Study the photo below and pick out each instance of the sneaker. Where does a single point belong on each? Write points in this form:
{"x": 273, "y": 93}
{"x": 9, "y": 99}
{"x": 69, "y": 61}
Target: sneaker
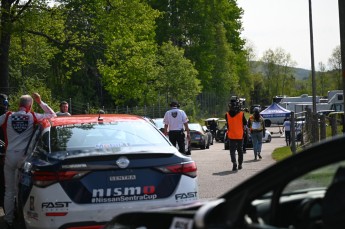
{"x": 239, "y": 166}
{"x": 259, "y": 156}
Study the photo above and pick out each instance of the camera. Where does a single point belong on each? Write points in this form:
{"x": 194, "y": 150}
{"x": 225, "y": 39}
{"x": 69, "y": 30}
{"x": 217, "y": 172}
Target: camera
{"x": 236, "y": 103}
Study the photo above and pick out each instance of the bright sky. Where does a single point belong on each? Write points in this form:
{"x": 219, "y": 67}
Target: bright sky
{"x": 271, "y": 24}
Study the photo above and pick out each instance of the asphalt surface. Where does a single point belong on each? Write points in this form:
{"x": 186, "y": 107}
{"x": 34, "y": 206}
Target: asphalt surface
{"x": 215, "y": 175}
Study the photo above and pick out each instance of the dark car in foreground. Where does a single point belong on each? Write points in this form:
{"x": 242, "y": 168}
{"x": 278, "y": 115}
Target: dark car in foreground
{"x": 81, "y": 170}
{"x": 305, "y": 190}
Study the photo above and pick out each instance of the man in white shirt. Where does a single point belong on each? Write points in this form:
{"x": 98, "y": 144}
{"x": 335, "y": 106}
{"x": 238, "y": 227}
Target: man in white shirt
{"x": 176, "y": 121}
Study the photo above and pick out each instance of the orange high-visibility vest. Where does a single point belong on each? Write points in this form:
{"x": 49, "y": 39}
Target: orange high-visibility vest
{"x": 235, "y": 126}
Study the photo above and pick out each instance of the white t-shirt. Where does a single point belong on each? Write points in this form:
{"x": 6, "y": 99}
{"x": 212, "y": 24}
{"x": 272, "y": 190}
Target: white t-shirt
{"x": 287, "y": 125}
{"x": 175, "y": 119}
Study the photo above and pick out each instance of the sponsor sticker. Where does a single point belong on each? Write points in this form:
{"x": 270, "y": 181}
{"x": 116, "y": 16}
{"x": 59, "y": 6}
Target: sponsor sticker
{"x": 185, "y": 196}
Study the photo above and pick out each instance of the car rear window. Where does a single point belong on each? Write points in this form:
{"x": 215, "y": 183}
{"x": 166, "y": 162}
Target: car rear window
{"x": 106, "y": 135}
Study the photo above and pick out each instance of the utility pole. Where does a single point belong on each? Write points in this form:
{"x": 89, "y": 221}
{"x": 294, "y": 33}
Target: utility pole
{"x": 312, "y": 57}
{"x": 341, "y": 5}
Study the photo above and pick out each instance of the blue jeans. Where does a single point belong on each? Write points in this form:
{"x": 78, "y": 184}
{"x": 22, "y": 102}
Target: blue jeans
{"x": 257, "y": 142}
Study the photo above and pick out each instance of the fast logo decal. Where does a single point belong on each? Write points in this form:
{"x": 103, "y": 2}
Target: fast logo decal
{"x": 59, "y": 204}
{"x": 20, "y": 123}
{"x": 109, "y": 195}
{"x": 187, "y": 195}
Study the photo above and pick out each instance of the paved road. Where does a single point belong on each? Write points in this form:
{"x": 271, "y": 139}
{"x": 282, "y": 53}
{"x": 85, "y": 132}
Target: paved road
{"x": 215, "y": 175}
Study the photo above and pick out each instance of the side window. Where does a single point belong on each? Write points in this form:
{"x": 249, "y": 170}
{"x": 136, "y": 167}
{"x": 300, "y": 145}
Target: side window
{"x": 33, "y": 142}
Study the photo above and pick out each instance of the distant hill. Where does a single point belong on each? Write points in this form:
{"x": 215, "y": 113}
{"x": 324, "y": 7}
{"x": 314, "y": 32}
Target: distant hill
{"x": 300, "y": 73}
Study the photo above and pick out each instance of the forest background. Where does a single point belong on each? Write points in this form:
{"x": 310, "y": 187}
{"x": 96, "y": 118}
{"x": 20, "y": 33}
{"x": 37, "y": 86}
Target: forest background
{"x": 136, "y": 56}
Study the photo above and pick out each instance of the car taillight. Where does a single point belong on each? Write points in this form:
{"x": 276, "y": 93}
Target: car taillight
{"x": 188, "y": 169}
{"x": 44, "y": 178}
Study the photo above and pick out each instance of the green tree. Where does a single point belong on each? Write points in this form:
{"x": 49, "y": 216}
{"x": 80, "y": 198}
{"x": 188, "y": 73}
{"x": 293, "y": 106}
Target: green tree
{"x": 128, "y": 69}
{"x": 177, "y": 78}
{"x": 334, "y": 63}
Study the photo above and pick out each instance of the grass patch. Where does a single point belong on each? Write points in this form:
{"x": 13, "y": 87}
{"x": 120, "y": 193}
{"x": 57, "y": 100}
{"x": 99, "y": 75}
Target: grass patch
{"x": 281, "y": 153}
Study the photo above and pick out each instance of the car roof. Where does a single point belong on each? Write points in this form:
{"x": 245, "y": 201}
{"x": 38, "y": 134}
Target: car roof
{"x": 93, "y": 118}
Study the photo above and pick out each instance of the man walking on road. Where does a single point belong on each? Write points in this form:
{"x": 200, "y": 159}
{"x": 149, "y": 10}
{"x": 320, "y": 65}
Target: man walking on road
{"x": 176, "y": 121}
{"x": 236, "y": 122}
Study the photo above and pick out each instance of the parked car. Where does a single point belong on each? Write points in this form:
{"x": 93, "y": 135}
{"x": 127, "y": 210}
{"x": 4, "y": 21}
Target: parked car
{"x": 199, "y": 138}
{"x": 267, "y": 138}
{"x": 84, "y": 169}
{"x": 210, "y": 137}
{"x": 160, "y": 125}
{"x": 299, "y": 128}
{"x": 221, "y": 133}
{"x": 213, "y": 125}
{"x": 305, "y": 190}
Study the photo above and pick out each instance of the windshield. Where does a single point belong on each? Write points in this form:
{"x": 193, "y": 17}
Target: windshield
{"x": 109, "y": 135}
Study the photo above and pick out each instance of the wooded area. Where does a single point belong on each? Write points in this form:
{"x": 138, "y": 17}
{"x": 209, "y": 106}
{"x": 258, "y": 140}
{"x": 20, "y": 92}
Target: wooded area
{"x": 110, "y": 53}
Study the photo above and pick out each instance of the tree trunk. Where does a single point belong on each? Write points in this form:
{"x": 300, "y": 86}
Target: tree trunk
{"x": 6, "y": 27}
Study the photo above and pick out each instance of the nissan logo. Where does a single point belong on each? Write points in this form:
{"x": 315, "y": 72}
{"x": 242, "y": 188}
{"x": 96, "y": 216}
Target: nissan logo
{"x": 122, "y": 162}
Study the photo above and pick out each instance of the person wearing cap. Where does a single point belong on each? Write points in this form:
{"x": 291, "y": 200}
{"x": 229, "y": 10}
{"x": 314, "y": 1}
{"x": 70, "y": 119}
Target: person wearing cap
{"x": 3, "y": 109}
{"x": 256, "y": 125}
{"x": 236, "y": 123}
{"x": 175, "y": 123}
{"x": 63, "y": 109}
{"x": 18, "y": 128}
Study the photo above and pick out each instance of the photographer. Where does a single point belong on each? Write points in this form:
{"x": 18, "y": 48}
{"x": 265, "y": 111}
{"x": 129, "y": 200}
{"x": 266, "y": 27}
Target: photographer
{"x": 236, "y": 122}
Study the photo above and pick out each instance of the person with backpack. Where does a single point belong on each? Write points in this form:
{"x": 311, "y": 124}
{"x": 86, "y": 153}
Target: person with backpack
{"x": 18, "y": 128}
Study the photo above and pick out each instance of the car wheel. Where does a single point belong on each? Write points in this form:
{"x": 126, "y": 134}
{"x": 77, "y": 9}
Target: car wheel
{"x": 269, "y": 138}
